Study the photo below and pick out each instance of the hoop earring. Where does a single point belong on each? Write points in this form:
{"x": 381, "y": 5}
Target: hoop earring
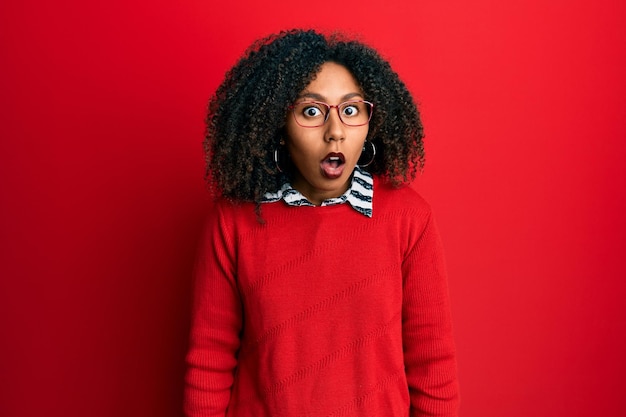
{"x": 276, "y": 160}
{"x": 364, "y": 151}
{"x": 277, "y": 155}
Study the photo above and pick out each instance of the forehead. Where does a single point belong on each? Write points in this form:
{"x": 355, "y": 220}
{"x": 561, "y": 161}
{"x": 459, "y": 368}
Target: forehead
{"x": 333, "y": 81}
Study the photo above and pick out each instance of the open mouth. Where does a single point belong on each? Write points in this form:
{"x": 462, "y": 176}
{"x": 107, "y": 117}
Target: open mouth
{"x": 332, "y": 166}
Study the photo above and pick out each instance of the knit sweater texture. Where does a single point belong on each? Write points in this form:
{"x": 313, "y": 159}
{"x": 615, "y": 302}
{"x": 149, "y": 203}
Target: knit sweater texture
{"x": 322, "y": 311}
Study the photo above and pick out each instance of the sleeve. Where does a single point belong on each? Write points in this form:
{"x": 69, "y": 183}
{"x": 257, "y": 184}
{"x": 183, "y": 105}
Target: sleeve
{"x": 215, "y": 325}
{"x": 429, "y": 351}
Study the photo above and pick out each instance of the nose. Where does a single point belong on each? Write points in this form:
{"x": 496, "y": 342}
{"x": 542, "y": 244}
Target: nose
{"x": 335, "y": 129}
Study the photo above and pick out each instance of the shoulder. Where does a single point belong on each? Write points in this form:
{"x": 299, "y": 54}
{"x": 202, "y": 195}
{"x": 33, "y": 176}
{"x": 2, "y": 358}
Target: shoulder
{"x": 403, "y": 199}
{"x": 238, "y": 217}
{"x": 224, "y": 206}
{"x": 405, "y": 213}
{"x": 227, "y": 215}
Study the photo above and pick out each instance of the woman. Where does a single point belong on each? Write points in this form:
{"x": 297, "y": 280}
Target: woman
{"x": 320, "y": 286}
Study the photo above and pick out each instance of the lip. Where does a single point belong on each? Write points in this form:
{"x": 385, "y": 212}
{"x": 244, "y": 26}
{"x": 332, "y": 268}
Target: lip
{"x": 332, "y": 165}
{"x": 335, "y": 155}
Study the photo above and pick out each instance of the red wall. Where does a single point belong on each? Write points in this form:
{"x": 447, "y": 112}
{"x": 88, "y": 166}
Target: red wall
{"x": 102, "y": 196}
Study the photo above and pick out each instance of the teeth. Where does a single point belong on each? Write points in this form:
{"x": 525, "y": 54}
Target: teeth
{"x": 334, "y": 158}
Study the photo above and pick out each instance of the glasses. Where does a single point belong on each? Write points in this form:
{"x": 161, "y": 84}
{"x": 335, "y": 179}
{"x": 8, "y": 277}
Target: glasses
{"x": 316, "y": 113}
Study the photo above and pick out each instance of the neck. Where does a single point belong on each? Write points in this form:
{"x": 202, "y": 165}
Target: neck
{"x": 315, "y": 195}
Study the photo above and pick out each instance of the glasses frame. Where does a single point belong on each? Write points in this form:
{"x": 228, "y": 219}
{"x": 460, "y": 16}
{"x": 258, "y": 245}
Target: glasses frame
{"x": 329, "y": 107}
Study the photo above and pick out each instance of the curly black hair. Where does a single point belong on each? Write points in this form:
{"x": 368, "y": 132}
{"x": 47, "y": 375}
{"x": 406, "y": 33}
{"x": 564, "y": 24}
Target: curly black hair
{"x": 246, "y": 115}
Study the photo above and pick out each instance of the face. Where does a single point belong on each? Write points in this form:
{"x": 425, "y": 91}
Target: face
{"x": 325, "y": 156}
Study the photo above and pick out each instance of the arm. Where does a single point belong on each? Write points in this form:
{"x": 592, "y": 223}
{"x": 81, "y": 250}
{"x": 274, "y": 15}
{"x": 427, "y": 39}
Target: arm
{"x": 429, "y": 353}
{"x": 216, "y": 324}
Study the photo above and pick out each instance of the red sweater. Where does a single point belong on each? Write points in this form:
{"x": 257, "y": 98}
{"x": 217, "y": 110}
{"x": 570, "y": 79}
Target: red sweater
{"x": 322, "y": 311}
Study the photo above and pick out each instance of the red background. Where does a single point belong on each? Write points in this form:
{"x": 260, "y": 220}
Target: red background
{"x": 101, "y": 121}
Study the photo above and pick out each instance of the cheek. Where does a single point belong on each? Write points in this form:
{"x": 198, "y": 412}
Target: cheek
{"x": 301, "y": 140}
{"x": 302, "y": 150}
{"x": 359, "y": 142}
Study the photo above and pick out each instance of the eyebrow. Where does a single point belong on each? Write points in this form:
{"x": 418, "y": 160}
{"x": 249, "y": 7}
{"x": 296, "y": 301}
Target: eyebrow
{"x": 319, "y": 97}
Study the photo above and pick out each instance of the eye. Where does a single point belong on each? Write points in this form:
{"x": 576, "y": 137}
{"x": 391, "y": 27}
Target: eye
{"x": 311, "y": 111}
{"x": 350, "y": 110}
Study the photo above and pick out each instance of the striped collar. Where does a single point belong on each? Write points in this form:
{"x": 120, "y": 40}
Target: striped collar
{"x": 359, "y": 195}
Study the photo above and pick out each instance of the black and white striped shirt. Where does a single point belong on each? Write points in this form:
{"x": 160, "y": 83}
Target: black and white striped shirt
{"x": 359, "y": 194}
